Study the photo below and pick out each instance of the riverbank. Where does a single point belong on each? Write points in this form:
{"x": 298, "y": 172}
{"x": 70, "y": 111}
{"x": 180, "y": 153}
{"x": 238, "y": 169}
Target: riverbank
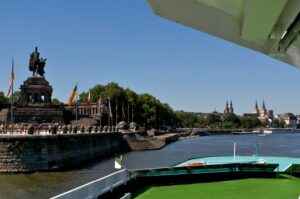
{"x": 205, "y": 132}
{"x": 30, "y": 153}
{"x": 134, "y": 142}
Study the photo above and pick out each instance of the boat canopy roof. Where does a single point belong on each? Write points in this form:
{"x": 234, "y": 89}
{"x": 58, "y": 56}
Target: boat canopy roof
{"x": 270, "y": 26}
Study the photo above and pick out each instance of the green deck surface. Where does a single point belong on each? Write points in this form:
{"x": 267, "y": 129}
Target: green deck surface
{"x": 245, "y": 188}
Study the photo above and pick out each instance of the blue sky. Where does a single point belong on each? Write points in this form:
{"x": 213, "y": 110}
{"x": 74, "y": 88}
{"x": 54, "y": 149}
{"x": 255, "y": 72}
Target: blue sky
{"x": 93, "y": 42}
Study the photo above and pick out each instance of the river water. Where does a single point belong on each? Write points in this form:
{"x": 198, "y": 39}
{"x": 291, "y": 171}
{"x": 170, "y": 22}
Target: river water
{"x": 46, "y": 184}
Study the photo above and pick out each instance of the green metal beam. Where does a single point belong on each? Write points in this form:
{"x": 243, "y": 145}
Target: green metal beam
{"x": 259, "y": 18}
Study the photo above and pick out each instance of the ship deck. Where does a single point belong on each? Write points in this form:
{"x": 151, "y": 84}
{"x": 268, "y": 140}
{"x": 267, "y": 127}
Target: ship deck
{"x": 285, "y": 163}
{"x": 284, "y": 187}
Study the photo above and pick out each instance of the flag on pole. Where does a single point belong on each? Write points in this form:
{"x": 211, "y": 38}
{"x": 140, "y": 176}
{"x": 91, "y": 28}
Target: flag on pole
{"x": 118, "y": 161}
{"x": 11, "y": 81}
{"x": 88, "y": 101}
{"x": 72, "y": 97}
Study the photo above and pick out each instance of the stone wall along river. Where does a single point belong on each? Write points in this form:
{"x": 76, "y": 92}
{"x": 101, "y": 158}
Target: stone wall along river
{"x": 47, "y": 152}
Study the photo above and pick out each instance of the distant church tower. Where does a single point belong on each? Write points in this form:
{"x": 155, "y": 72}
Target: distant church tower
{"x": 231, "y": 107}
{"x": 256, "y": 110}
{"x": 226, "y": 110}
{"x": 263, "y": 110}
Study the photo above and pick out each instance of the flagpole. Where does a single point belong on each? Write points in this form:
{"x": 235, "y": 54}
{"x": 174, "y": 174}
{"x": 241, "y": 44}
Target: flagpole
{"x": 89, "y": 105}
{"x": 108, "y": 118}
{"x": 128, "y": 113}
{"x": 11, "y": 99}
{"x": 110, "y": 113}
{"x": 132, "y": 111}
{"x": 76, "y": 111}
{"x": 116, "y": 111}
{"x": 100, "y": 110}
{"x": 122, "y": 111}
{"x": 155, "y": 118}
{"x": 76, "y": 106}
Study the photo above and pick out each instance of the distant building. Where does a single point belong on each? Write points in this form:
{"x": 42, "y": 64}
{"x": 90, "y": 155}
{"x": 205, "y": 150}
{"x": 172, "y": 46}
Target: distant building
{"x": 250, "y": 115}
{"x": 262, "y": 114}
{"x": 271, "y": 114}
{"x": 263, "y": 111}
{"x": 227, "y": 109}
{"x": 231, "y": 108}
{"x": 289, "y": 119}
{"x": 95, "y": 113}
{"x": 298, "y": 119}
{"x": 255, "y": 110}
{"x": 254, "y": 114}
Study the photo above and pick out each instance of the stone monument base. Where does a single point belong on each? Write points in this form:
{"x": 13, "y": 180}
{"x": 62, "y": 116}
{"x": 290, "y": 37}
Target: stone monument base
{"x": 34, "y": 114}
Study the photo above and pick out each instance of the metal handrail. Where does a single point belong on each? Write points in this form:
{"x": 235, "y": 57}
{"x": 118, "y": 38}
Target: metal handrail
{"x": 97, "y": 187}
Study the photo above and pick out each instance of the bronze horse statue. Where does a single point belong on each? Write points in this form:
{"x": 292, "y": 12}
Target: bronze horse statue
{"x": 37, "y": 64}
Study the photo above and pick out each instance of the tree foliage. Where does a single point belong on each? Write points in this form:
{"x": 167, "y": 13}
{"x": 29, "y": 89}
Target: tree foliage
{"x": 7, "y": 100}
{"x": 231, "y": 121}
{"x": 187, "y": 119}
{"x": 249, "y": 123}
{"x": 213, "y": 120}
{"x": 3, "y": 98}
{"x": 55, "y": 101}
{"x": 17, "y": 97}
{"x": 144, "y": 109}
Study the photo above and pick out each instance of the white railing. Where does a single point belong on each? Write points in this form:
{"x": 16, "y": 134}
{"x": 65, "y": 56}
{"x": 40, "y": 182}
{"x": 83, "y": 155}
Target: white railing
{"x": 126, "y": 196}
{"x": 97, "y": 187}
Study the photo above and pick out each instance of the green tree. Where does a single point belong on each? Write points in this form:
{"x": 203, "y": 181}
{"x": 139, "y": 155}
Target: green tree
{"x": 231, "y": 121}
{"x": 246, "y": 122}
{"x": 256, "y": 123}
{"x": 202, "y": 121}
{"x": 145, "y": 108}
{"x": 187, "y": 119}
{"x": 275, "y": 123}
{"x": 6, "y": 100}
{"x": 213, "y": 120}
{"x": 131, "y": 102}
{"x": 250, "y": 122}
{"x": 55, "y": 101}
{"x": 281, "y": 124}
{"x": 17, "y": 97}
{"x": 3, "y": 98}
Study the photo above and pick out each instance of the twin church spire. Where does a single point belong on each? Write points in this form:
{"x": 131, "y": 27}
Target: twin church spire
{"x": 262, "y": 111}
{"x": 228, "y": 109}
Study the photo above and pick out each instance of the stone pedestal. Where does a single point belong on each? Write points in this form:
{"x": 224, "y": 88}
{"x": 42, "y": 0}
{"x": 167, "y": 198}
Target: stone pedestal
{"x": 36, "y": 90}
{"x": 35, "y": 104}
